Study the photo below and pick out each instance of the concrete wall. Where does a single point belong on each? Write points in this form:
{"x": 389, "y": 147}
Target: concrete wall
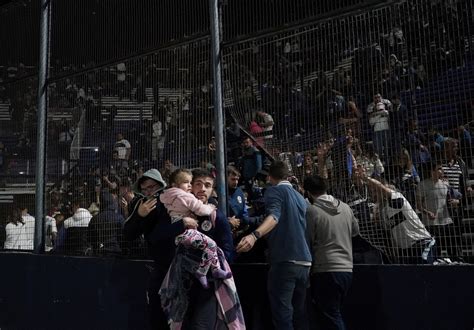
{"x": 54, "y": 292}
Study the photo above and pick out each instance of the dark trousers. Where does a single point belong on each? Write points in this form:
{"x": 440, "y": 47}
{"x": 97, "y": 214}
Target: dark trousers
{"x": 421, "y": 252}
{"x": 202, "y": 309}
{"x": 157, "y": 317}
{"x": 328, "y": 291}
{"x": 447, "y": 239}
{"x": 287, "y": 283}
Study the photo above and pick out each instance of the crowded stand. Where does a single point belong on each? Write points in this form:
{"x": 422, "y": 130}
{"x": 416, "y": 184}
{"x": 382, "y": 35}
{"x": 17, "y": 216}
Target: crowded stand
{"x": 385, "y": 117}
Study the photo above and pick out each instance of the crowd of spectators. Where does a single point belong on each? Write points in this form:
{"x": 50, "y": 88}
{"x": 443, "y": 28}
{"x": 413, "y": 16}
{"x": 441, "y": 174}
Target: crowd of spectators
{"x": 361, "y": 107}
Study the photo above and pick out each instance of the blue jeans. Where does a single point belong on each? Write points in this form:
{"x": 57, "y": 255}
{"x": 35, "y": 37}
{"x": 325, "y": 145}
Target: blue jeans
{"x": 328, "y": 291}
{"x": 287, "y": 284}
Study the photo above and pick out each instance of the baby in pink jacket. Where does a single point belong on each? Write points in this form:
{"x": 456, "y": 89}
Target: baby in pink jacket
{"x": 180, "y": 203}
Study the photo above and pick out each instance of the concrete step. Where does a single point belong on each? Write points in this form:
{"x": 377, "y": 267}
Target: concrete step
{"x": 132, "y": 118}
{"x": 468, "y": 252}
{"x": 126, "y": 111}
{"x": 108, "y": 102}
{"x": 59, "y": 115}
{"x": 5, "y": 112}
{"x": 6, "y": 199}
{"x": 468, "y": 221}
{"x": 468, "y": 237}
{"x": 469, "y": 207}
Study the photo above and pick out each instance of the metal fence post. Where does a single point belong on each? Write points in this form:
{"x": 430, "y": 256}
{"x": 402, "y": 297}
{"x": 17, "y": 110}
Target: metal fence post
{"x": 221, "y": 186}
{"x": 43, "y": 74}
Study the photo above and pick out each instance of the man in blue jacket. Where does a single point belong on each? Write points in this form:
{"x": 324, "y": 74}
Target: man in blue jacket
{"x": 289, "y": 257}
{"x": 202, "y": 311}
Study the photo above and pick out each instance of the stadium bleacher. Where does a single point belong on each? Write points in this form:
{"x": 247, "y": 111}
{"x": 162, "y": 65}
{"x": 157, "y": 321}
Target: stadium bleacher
{"x": 5, "y": 111}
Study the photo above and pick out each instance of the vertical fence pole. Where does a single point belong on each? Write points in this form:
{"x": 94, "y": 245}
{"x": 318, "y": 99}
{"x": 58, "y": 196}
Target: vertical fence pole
{"x": 221, "y": 186}
{"x": 45, "y": 12}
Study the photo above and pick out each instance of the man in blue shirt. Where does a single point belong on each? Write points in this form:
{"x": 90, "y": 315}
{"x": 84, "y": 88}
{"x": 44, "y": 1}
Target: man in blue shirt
{"x": 289, "y": 256}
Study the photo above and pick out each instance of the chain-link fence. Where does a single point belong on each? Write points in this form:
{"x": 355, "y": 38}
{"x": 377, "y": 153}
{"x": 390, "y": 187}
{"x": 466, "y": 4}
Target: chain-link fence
{"x": 375, "y": 97}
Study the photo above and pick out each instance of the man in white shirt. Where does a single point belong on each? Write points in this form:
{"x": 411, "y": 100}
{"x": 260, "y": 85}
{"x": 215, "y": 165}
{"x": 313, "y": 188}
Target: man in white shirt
{"x": 74, "y": 231}
{"x": 29, "y": 228}
{"x": 80, "y": 218}
{"x": 50, "y": 233}
{"x": 432, "y": 197}
{"x": 123, "y": 149}
{"x": 378, "y": 112}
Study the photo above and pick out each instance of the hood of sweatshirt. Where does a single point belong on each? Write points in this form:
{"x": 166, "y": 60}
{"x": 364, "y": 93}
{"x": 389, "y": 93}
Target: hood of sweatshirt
{"x": 81, "y": 215}
{"x": 108, "y": 201}
{"x": 328, "y": 203}
{"x": 153, "y": 174}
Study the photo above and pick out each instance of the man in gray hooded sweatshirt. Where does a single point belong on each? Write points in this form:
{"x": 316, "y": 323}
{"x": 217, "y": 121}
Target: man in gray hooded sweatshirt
{"x": 330, "y": 228}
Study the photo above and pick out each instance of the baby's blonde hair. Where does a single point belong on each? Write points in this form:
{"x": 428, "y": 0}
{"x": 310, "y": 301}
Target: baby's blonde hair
{"x": 177, "y": 176}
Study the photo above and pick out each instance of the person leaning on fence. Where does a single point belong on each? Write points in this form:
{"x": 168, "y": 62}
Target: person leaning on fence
{"x": 408, "y": 233}
{"x": 72, "y": 237}
{"x": 330, "y": 228}
{"x": 289, "y": 255}
{"x": 150, "y": 218}
{"x": 105, "y": 229}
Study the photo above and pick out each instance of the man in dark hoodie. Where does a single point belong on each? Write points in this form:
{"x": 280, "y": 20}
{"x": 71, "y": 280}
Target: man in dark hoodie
{"x": 150, "y": 218}
{"x": 330, "y": 228}
{"x": 105, "y": 228}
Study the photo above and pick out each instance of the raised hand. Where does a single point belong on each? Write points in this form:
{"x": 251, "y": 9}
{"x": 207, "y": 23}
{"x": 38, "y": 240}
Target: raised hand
{"x": 146, "y": 207}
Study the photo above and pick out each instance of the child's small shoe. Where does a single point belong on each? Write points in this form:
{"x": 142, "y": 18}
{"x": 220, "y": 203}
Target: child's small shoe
{"x": 203, "y": 280}
{"x": 219, "y": 273}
